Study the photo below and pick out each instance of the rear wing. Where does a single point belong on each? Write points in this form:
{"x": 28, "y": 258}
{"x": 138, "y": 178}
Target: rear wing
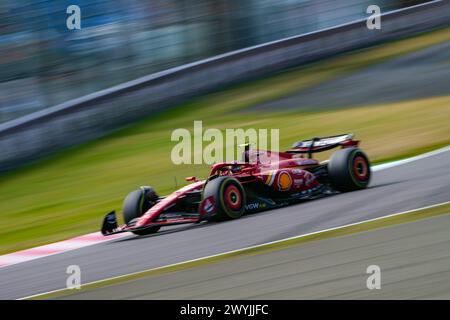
{"x": 322, "y": 144}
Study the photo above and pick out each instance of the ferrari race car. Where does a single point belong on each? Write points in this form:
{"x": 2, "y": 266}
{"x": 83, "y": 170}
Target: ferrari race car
{"x": 238, "y": 188}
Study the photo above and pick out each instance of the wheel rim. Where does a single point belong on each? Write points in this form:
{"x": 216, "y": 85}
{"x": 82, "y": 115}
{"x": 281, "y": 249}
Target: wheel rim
{"x": 360, "y": 168}
{"x": 233, "y": 198}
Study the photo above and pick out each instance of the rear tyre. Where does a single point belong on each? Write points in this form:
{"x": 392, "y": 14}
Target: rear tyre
{"x": 229, "y": 198}
{"x": 349, "y": 170}
{"x": 135, "y": 205}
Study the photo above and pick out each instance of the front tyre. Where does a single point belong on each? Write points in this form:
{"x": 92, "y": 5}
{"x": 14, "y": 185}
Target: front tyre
{"x": 135, "y": 205}
{"x": 349, "y": 170}
{"x": 229, "y": 198}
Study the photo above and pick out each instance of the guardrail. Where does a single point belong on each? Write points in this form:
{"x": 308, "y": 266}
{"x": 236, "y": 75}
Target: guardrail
{"x": 30, "y": 137}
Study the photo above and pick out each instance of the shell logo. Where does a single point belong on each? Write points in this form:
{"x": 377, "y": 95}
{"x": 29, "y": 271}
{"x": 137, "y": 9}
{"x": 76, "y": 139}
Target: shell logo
{"x": 284, "y": 181}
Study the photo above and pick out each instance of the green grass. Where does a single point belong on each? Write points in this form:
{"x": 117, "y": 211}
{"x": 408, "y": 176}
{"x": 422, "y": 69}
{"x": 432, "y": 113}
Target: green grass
{"x": 367, "y": 226}
{"x": 67, "y": 194}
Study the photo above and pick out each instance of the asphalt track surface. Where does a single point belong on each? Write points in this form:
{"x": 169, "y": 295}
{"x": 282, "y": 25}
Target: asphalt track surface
{"x": 421, "y": 74}
{"x": 414, "y": 261}
{"x": 409, "y": 186}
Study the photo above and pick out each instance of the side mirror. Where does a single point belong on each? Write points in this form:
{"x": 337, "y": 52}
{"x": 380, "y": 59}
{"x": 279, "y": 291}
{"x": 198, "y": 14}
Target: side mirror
{"x": 191, "y": 179}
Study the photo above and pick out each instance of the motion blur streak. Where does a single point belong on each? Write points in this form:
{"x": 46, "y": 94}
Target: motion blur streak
{"x": 43, "y": 63}
{"x": 97, "y": 237}
{"x": 54, "y": 248}
{"x": 413, "y": 185}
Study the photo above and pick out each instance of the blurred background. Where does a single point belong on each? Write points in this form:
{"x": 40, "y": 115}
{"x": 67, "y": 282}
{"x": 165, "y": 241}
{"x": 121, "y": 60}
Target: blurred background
{"x": 69, "y": 153}
{"x": 62, "y": 169}
{"x": 44, "y": 64}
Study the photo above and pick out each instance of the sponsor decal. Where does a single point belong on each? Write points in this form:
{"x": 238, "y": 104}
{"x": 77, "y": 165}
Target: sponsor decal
{"x": 309, "y": 178}
{"x": 284, "y": 181}
{"x": 252, "y": 206}
{"x": 208, "y": 206}
{"x": 270, "y": 178}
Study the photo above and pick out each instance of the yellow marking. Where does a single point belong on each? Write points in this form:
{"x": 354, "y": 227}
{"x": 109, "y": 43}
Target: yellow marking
{"x": 269, "y": 177}
{"x": 284, "y": 181}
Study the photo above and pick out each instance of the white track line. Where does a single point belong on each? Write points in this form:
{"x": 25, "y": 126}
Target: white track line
{"x": 96, "y": 237}
{"x": 408, "y": 160}
{"x": 56, "y": 248}
{"x": 244, "y": 249}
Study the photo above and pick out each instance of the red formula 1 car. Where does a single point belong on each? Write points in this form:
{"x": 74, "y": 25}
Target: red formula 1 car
{"x": 234, "y": 189}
